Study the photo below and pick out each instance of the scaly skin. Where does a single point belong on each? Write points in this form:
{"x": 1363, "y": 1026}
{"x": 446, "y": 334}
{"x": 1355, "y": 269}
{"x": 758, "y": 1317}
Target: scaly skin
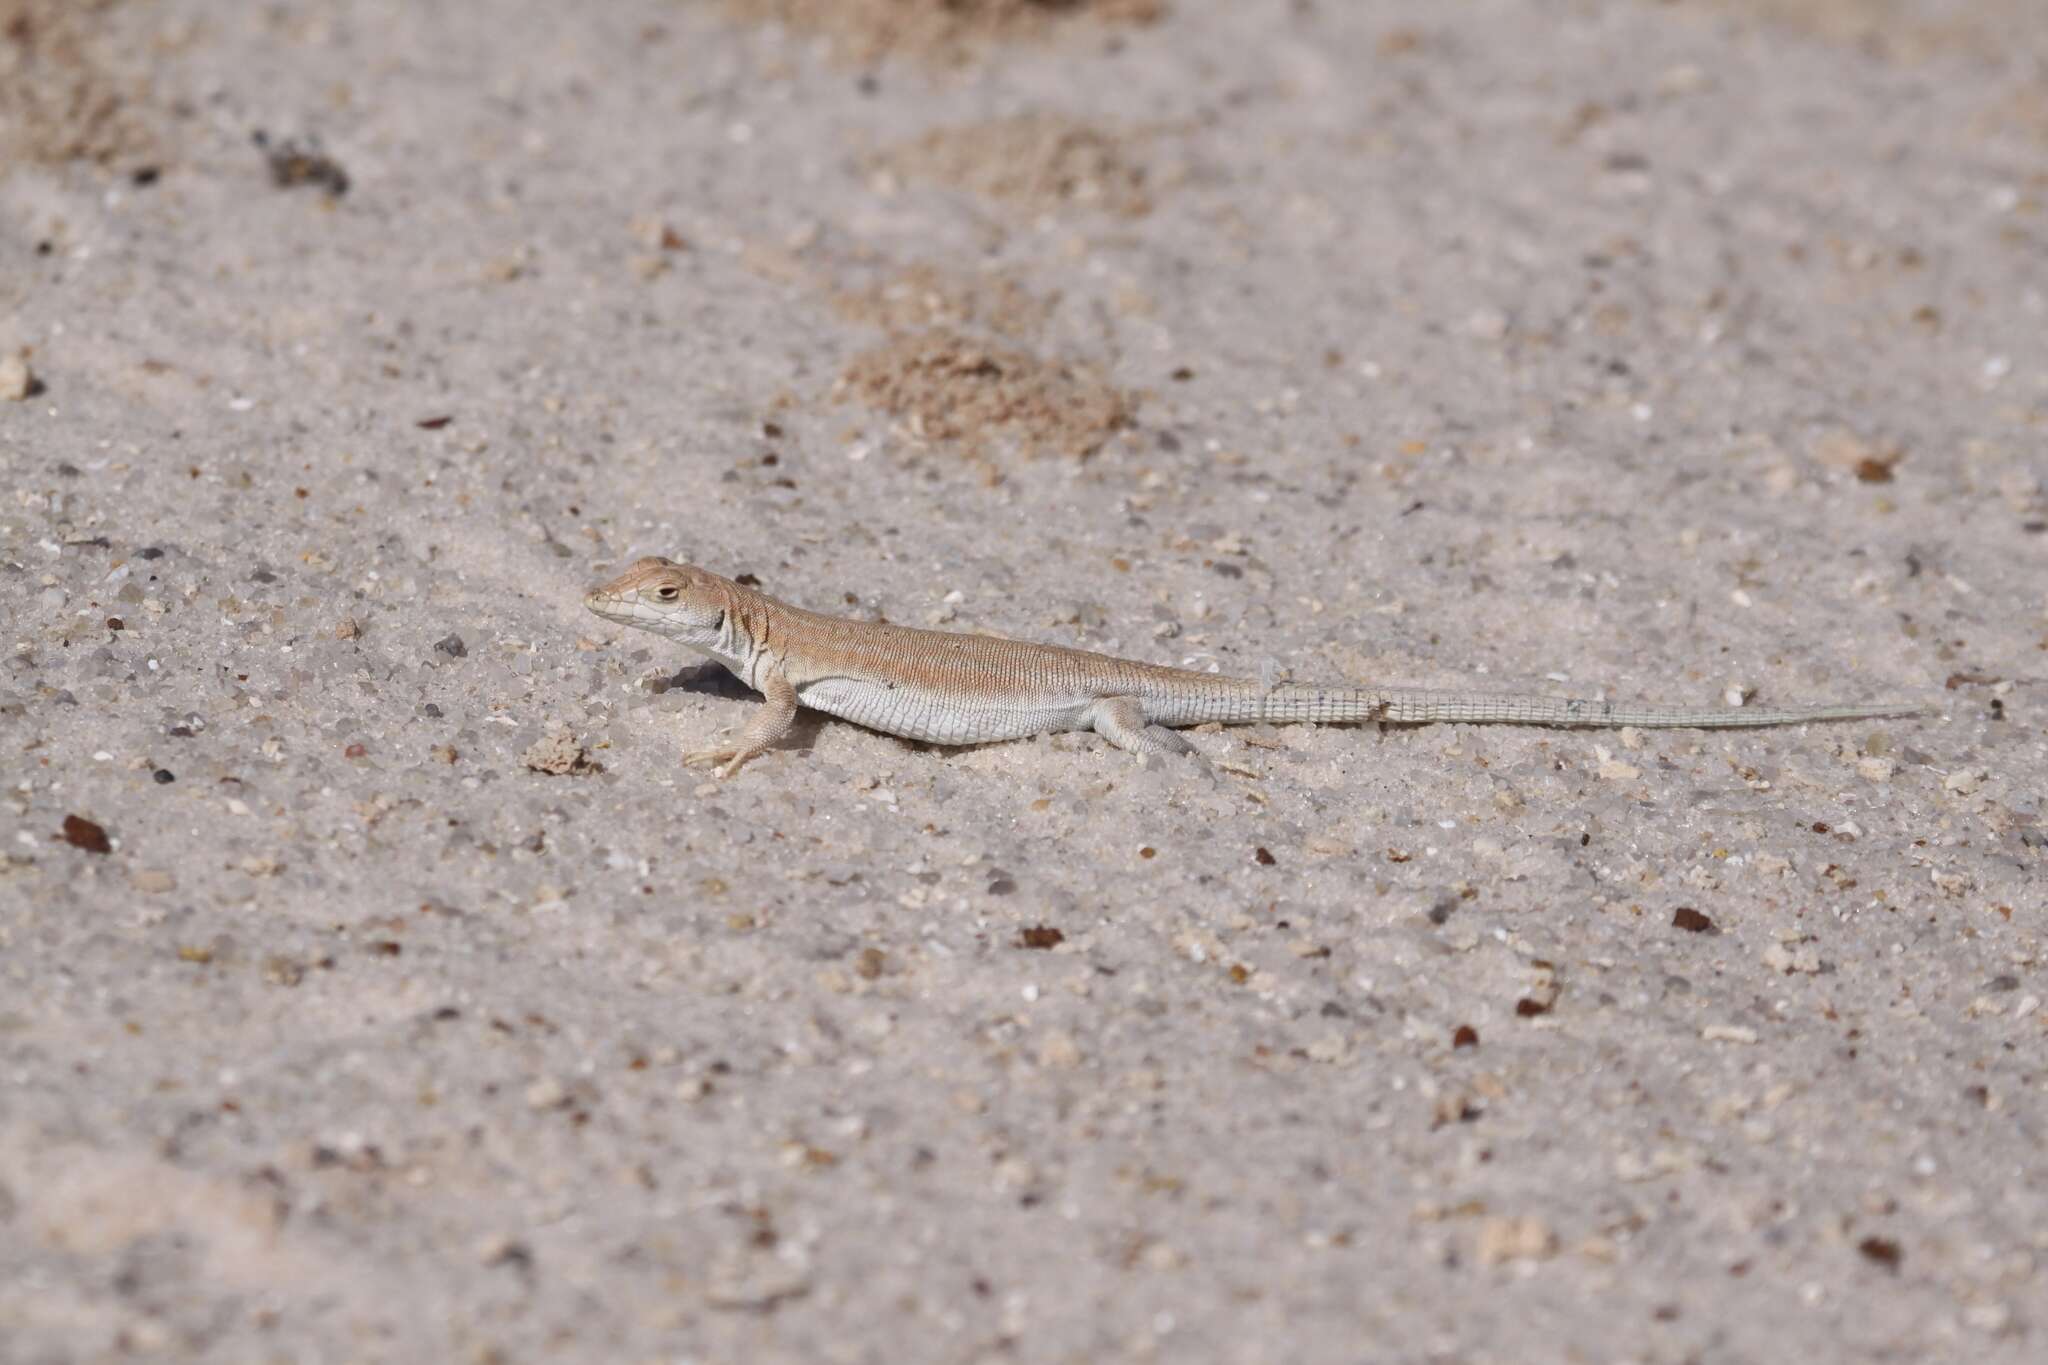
{"x": 949, "y": 688}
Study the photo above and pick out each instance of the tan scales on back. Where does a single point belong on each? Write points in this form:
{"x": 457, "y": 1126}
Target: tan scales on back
{"x": 950, "y": 688}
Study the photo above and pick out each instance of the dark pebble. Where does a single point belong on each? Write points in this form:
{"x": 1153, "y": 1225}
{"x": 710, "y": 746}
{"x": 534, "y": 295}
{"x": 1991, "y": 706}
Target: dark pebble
{"x": 80, "y": 832}
{"x": 452, "y": 647}
{"x": 164, "y": 776}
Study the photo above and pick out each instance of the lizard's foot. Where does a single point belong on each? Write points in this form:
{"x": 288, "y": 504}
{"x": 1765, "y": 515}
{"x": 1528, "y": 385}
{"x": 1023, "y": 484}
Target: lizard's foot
{"x": 1121, "y": 721}
{"x": 731, "y": 759}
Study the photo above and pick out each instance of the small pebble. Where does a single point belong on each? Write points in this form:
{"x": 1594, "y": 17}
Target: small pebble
{"x": 16, "y": 383}
{"x": 1728, "y": 1033}
{"x": 164, "y": 776}
{"x": 558, "y": 754}
{"x": 1515, "y": 1239}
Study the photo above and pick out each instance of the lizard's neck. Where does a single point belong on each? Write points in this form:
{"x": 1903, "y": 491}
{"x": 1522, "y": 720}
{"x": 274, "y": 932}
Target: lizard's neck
{"x": 735, "y": 641}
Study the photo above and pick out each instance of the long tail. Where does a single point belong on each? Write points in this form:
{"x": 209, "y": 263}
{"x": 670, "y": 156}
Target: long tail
{"x": 1414, "y": 706}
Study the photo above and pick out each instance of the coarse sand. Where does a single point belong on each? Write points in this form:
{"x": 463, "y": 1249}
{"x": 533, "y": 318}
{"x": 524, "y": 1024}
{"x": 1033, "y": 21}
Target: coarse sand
{"x": 377, "y": 985}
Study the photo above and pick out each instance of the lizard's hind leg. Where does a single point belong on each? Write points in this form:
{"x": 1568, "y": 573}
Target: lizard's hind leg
{"x": 1121, "y": 721}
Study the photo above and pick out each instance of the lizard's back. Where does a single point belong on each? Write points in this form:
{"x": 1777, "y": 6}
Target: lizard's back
{"x": 952, "y": 688}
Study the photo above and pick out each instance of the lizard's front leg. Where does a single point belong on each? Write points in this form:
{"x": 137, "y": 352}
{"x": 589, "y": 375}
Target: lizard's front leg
{"x": 770, "y": 722}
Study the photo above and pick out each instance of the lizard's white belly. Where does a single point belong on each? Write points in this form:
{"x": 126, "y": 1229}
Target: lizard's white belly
{"x": 916, "y": 713}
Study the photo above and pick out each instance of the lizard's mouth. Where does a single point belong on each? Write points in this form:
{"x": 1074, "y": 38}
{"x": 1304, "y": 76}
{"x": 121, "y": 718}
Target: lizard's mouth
{"x": 627, "y": 609}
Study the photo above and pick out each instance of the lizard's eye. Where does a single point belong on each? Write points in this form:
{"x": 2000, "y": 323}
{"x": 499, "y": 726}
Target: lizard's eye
{"x": 666, "y": 593}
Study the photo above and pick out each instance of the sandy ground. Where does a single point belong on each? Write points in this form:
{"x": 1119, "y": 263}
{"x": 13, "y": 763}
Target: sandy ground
{"x": 1656, "y": 351}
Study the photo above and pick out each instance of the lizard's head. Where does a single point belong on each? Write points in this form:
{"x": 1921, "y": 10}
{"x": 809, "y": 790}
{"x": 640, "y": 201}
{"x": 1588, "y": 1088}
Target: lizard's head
{"x": 665, "y": 597}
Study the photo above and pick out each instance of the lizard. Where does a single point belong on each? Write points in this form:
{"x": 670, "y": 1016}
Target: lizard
{"x": 947, "y": 687}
